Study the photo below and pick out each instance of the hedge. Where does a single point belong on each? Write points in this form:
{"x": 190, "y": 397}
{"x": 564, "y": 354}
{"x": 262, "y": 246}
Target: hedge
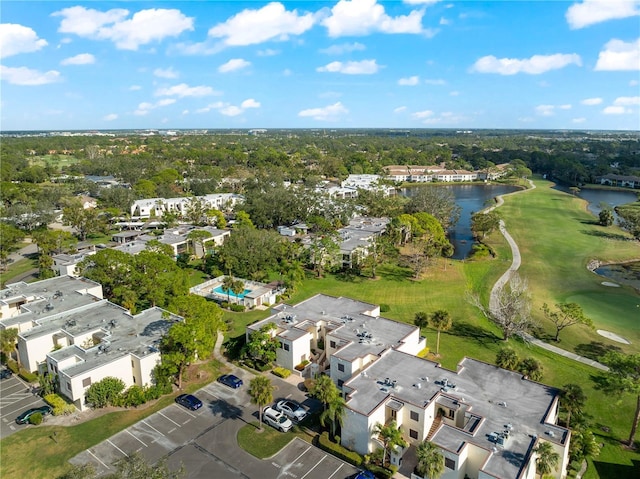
{"x": 59, "y": 405}
{"x": 281, "y": 372}
{"x": 382, "y": 472}
{"x": 337, "y": 450}
{"x": 28, "y": 376}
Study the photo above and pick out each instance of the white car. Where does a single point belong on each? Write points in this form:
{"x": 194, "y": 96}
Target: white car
{"x": 292, "y": 410}
{"x": 276, "y": 419}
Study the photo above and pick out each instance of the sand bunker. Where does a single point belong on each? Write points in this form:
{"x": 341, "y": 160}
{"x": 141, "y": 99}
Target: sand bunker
{"x": 610, "y": 284}
{"x": 613, "y": 336}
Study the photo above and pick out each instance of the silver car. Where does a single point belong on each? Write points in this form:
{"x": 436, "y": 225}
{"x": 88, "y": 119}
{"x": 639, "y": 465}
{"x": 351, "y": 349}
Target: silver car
{"x": 276, "y": 419}
{"x": 292, "y": 409}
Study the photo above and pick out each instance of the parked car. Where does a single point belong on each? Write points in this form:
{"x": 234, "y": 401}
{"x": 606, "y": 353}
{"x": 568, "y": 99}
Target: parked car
{"x": 230, "y": 380}
{"x": 6, "y": 373}
{"x": 189, "y": 401}
{"x": 24, "y": 417}
{"x": 276, "y": 419}
{"x": 292, "y": 410}
{"x": 364, "y": 474}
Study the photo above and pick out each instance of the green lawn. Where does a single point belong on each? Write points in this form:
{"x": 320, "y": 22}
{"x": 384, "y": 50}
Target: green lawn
{"x": 267, "y": 442}
{"x": 18, "y": 268}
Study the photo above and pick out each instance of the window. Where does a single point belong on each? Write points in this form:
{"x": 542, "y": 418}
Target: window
{"x": 341, "y": 367}
{"x": 332, "y": 344}
{"x": 86, "y": 382}
{"x": 449, "y": 463}
{"x": 415, "y": 416}
{"x": 68, "y": 386}
{"x": 285, "y": 346}
{"x": 340, "y": 383}
{"x": 413, "y": 434}
{"x": 451, "y": 413}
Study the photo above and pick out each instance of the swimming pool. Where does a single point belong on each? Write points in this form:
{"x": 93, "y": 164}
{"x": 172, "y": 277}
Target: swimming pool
{"x": 219, "y": 290}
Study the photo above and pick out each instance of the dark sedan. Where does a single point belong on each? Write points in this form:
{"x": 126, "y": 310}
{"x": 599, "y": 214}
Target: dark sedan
{"x": 189, "y": 401}
{"x": 24, "y": 417}
{"x": 230, "y": 380}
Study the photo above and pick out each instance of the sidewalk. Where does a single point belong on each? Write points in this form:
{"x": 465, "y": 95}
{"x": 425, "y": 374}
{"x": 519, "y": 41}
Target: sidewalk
{"x": 515, "y": 265}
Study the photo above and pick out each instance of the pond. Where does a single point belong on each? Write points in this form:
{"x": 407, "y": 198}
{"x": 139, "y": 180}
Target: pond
{"x": 628, "y": 273}
{"x": 471, "y": 199}
{"x": 595, "y": 198}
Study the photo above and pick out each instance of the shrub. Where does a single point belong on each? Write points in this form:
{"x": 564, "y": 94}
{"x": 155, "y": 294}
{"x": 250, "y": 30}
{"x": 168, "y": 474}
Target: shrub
{"x": 339, "y": 451}
{"x": 238, "y": 308}
{"x": 13, "y": 365}
{"x": 384, "y": 308}
{"x": 383, "y": 472}
{"x": 283, "y": 373}
{"x": 35, "y": 418}
{"x": 105, "y": 392}
{"x": 134, "y": 396}
{"x": 507, "y": 358}
{"x": 59, "y": 405}
{"x": 28, "y": 376}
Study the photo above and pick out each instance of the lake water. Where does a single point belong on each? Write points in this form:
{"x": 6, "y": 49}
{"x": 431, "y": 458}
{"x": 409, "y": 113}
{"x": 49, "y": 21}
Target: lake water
{"x": 471, "y": 199}
{"x": 622, "y": 273}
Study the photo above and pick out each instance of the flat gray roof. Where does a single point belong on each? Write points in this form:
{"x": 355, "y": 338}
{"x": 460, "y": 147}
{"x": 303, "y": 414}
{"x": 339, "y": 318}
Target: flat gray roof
{"x": 347, "y": 319}
{"x": 497, "y": 396}
{"x": 138, "y": 335}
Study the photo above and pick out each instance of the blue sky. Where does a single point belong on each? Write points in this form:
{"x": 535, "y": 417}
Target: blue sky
{"x": 306, "y": 64}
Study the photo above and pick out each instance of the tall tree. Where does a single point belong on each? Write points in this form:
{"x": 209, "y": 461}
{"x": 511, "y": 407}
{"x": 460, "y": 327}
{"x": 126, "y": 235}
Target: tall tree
{"x": 237, "y": 286}
{"x": 572, "y": 399}
{"x": 507, "y": 358}
{"x": 430, "y": 460}
{"x": 438, "y": 201}
{"x": 334, "y": 413}
{"x": 8, "y": 338}
{"x": 484, "y": 223}
{"x": 566, "y": 314}
{"x": 390, "y": 435}
{"x": 262, "y": 346}
{"x": 624, "y": 377}
{"x": 421, "y": 319}
{"x": 441, "y": 321}
{"x": 547, "y": 458}
{"x": 180, "y": 347}
{"x": 261, "y": 393}
{"x": 324, "y": 390}
{"x": 227, "y": 286}
{"x": 10, "y": 238}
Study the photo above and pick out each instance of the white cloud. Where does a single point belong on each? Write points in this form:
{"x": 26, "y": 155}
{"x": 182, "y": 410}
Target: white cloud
{"x": 250, "y": 103}
{"x": 110, "y": 117}
{"x": 286, "y": 72}
{"x": 591, "y": 101}
{"x": 419, "y": 115}
{"x": 400, "y": 109}
{"x": 578, "y": 120}
{"x": 327, "y": 113}
{"x": 343, "y": 48}
{"x": 564, "y": 107}
{"x": 616, "y": 110}
{"x": 420, "y": 2}
{"x": 627, "y": 101}
{"x": 619, "y": 56}
{"x": 271, "y": 22}
{"x": 435, "y": 81}
{"x": 145, "y": 107}
{"x": 361, "y": 17}
{"x": 454, "y": 93}
{"x": 231, "y": 110}
{"x": 633, "y": 82}
{"x": 135, "y": 88}
{"x": 268, "y": 52}
{"x": 27, "y": 77}
{"x": 535, "y": 65}
{"x": 81, "y": 59}
{"x": 545, "y": 110}
{"x": 590, "y": 12}
{"x": 233, "y": 65}
{"x": 168, "y": 73}
{"x": 144, "y": 27}
{"x": 183, "y": 90}
{"x": 17, "y": 39}
{"x": 410, "y": 81}
{"x": 363, "y": 67}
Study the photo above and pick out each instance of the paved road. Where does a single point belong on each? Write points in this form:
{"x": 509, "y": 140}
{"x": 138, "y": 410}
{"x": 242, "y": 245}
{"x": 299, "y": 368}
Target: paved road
{"x": 515, "y": 265}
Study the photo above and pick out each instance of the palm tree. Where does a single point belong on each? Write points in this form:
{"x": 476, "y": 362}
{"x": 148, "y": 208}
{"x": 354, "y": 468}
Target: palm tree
{"x": 390, "y": 435}
{"x": 421, "y": 319}
{"x": 547, "y": 460}
{"x": 261, "y": 393}
{"x": 227, "y": 286}
{"x": 573, "y": 399}
{"x": 430, "y": 460}
{"x": 440, "y": 320}
{"x": 325, "y": 390}
{"x": 237, "y": 286}
{"x": 334, "y": 413}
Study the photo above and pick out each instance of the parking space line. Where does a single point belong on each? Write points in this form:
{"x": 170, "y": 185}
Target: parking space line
{"x": 23, "y": 408}
{"x": 169, "y": 419}
{"x": 184, "y": 410}
{"x": 305, "y": 451}
{"x": 135, "y": 437}
{"x": 151, "y": 427}
{"x": 97, "y": 459}
{"x": 317, "y": 464}
{"x": 109, "y": 441}
{"x": 336, "y": 471}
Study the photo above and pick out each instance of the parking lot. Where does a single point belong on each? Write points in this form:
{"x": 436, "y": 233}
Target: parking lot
{"x": 205, "y": 441}
{"x": 16, "y": 396}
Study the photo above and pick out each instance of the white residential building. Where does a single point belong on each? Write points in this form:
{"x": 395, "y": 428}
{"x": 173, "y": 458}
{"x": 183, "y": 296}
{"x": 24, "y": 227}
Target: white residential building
{"x": 358, "y": 237}
{"x": 149, "y": 207}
